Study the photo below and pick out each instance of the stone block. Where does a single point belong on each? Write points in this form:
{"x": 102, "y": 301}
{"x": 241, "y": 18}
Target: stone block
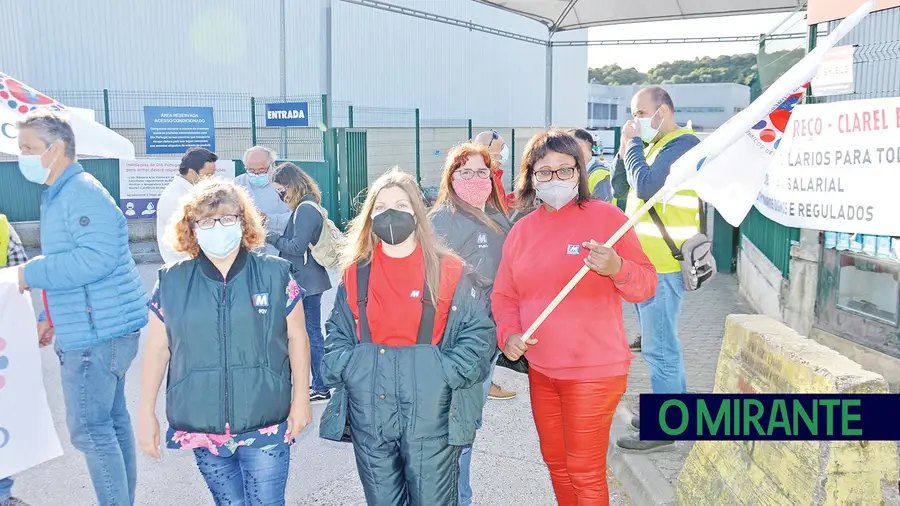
{"x": 761, "y": 355}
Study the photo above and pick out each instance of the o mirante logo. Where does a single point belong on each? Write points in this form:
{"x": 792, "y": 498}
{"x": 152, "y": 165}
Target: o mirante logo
{"x": 773, "y": 417}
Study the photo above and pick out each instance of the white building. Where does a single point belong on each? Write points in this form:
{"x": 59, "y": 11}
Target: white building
{"x": 707, "y": 106}
{"x": 379, "y": 59}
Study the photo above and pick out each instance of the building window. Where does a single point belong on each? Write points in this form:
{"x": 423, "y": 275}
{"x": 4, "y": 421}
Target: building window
{"x": 869, "y": 287}
{"x": 690, "y": 110}
{"x": 603, "y": 111}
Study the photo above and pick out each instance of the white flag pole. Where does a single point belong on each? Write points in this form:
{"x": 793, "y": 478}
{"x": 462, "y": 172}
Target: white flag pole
{"x": 584, "y": 270}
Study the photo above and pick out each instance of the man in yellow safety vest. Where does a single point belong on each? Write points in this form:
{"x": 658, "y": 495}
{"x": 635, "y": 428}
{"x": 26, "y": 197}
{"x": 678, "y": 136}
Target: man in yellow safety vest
{"x": 598, "y": 174}
{"x": 646, "y": 168}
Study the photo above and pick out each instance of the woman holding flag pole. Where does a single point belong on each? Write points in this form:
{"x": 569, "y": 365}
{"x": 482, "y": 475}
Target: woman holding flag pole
{"x": 579, "y": 358}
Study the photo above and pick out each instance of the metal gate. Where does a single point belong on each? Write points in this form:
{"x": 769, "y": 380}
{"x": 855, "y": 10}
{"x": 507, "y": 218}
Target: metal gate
{"x": 353, "y": 171}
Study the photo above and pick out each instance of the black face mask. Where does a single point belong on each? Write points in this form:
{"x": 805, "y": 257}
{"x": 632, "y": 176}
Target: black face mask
{"x": 393, "y": 226}
{"x": 281, "y": 195}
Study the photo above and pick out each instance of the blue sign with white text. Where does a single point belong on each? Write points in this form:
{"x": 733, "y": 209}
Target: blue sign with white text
{"x": 176, "y": 129}
{"x": 287, "y": 114}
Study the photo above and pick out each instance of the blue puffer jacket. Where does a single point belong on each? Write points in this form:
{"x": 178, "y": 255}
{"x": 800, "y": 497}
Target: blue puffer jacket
{"x": 92, "y": 285}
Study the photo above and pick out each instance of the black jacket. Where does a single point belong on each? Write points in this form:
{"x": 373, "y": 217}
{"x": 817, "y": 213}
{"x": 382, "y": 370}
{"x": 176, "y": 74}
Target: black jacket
{"x": 477, "y": 244}
{"x": 303, "y": 229}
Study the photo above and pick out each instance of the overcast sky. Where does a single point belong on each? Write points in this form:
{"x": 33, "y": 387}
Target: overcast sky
{"x": 645, "y": 57}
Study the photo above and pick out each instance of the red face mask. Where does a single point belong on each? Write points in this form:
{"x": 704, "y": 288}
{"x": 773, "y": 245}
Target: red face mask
{"x": 474, "y": 192}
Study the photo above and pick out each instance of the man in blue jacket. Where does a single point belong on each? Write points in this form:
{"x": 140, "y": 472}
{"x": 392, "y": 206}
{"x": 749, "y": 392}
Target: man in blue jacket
{"x": 94, "y": 302}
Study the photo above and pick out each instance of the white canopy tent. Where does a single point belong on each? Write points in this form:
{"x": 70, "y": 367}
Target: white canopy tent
{"x": 563, "y": 15}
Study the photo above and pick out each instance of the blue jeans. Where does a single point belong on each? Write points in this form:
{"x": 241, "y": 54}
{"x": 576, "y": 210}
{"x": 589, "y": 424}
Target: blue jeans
{"x": 249, "y": 477}
{"x": 465, "y": 458}
{"x": 93, "y": 383}
{"x": 312, "y": 308}
{"x": 660, "y": 346}
{"x": 5, "y": 488}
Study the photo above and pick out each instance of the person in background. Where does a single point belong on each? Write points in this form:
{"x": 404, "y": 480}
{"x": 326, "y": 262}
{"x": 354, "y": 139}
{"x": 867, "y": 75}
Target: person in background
{"x": 468, "y": 216}
{"x": 296, "y": 187}
{"x": 409, "y": 347}
{"x": 11, "y": 254}
{"x": 228, "y": 331}
{"x": 196, "y": 164}
{"x": 92, "y": 295}
{"x": 598, "y": 175}
{"x": 260, "y": 163}
{"x": 578, "y": 358}
{"x": 646, "y": 169}
{"x": 500, "y": 154}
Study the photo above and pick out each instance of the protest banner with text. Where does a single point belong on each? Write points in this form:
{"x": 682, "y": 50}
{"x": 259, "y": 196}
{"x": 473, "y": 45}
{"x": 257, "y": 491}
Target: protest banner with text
{"x": 837, "y": 169}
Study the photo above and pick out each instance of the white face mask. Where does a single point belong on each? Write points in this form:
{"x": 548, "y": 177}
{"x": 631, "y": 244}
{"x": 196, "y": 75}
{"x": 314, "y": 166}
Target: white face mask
{"x": 648, "y": 133}
{"x": 220, "y": 241}
{"x": 504, "y": 155}
{"x": 557, "y": 194}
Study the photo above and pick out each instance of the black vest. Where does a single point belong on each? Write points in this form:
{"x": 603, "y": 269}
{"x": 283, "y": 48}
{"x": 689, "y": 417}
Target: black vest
{"x": 228, "y": 342}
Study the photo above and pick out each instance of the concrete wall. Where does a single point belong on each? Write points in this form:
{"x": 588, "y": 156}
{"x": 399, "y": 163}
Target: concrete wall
{"x": 790, "y": 300}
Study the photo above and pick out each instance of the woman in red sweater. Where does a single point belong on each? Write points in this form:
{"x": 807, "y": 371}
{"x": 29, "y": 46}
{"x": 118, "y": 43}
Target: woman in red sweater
{"x": 579, "y": 356}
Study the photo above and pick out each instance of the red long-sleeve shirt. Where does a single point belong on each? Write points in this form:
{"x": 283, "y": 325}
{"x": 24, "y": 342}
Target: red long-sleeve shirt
{"x": 584, "y": 337}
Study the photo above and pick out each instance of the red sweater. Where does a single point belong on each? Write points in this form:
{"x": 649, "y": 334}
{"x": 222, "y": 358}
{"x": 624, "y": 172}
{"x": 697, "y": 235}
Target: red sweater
{"x": 584, "y": 337}
{"x": 395, "y": 297}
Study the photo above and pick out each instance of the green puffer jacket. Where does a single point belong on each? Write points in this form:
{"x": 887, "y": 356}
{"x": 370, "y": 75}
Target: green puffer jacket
{"x": 466, "y": 351}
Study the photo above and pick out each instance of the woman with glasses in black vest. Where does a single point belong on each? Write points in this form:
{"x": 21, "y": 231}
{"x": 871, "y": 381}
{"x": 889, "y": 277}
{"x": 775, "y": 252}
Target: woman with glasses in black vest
{"x": 230, "y": 331}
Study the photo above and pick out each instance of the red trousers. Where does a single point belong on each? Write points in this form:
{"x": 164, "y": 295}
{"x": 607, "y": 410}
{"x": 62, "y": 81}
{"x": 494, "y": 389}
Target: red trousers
{"x": 573, "y": 418}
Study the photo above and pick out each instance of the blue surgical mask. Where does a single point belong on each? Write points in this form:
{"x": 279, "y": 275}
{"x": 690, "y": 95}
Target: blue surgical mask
{"x": 259, "y": 180}
{"x": 220, "y": 241}
{"x": 33, "y": 169}
{"x": 504, "y": 155}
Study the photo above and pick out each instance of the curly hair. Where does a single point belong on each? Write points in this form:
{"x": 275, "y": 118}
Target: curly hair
{"x": 207, "y": 199}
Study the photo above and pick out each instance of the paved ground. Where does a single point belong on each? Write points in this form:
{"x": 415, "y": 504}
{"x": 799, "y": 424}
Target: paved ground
{"x": 701, "y": 329}
{"x": 507, "y": 467}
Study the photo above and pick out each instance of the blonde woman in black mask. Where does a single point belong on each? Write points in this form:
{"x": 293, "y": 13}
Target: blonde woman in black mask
{"x": 408, "y": 346}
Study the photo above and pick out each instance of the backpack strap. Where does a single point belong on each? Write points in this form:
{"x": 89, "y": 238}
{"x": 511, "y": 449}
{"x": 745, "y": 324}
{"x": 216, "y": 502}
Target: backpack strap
{"x": 666, "y": 237}
{"x": 426, "y": 324}
{"x": 362, "y": 299}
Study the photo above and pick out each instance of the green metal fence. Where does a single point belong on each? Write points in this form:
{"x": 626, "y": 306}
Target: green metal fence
{"x": 773, "y": 239}
{"x": 20, "y": 200}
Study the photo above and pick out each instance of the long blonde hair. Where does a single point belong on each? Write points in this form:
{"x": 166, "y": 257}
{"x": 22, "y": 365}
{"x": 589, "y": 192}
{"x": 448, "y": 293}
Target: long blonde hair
{"x": 361, "y": 240}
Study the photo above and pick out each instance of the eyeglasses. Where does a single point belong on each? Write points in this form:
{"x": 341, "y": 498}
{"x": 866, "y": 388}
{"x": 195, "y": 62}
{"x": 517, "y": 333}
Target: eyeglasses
{"x": 563, "y": 174}
{"x": 229, "y": 220}
{"x": 470, "y": 173}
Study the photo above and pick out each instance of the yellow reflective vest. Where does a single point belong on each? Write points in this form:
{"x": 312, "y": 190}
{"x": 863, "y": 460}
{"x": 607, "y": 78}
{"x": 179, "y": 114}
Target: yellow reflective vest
{"x": 597, "y": 175}
{"x": 681, "y": 216}
{"x": 4, "y": 240}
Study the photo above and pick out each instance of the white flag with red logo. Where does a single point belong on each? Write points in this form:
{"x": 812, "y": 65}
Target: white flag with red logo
{"x": 729, "y": 167}
{"x": 27, "y": 434}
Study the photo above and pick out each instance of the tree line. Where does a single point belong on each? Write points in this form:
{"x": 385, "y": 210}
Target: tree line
{"x": 735, "y": 68}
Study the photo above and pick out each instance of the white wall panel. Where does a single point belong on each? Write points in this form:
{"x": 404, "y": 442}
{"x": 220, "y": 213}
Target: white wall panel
{"x": 380, "y": 59}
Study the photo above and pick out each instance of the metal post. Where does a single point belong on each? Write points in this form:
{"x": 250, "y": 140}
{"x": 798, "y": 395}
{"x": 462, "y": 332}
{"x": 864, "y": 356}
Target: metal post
{"x": 470, "y": 129}
{"x": 512, "y": 159}
{"x": 548, "y": 98}
{"x": 282, "y": 63}
{"x": 418, "y": 151}
{"x": 253, "y": 121}
{"x": 325, "y": 119}
{"x": 106, "y": 107}
{"x": 350, "y": 114}
{"x": 812, "y": 34}
{"x": 327, "y": 63}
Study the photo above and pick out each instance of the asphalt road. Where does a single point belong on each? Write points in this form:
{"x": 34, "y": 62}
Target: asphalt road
{"x": 506, "y": 466}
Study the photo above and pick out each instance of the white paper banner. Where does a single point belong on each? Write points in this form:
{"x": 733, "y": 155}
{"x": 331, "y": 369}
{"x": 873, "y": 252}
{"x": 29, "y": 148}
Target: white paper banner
{"x": 141, "y": 182}
{"x": 837, "y": 168}
{"x": 27, "y": 435}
